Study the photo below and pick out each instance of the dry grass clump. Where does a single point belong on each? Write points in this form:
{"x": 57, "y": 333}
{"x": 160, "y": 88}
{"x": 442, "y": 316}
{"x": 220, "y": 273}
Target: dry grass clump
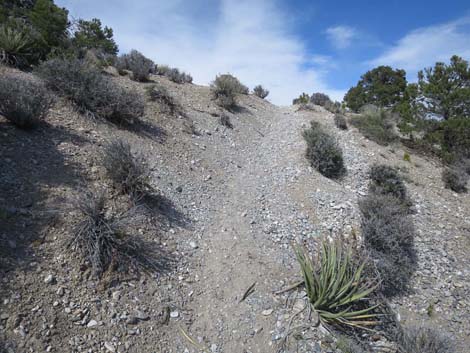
{"x": 23, "y": 102}
{"x": 128, "y": 171}
{"x": 93, "y": 93}
{"x": 323, "y": 152}
{"x": 422, "y": 339}
{"x": 104, "y": 241}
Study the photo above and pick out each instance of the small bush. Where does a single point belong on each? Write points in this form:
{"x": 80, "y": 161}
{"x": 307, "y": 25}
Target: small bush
{"x": 225, "y": 121}
{"x": 378, "y": 127}
{"x": 129, "y": 172}
{"x": 333, "y": 107}
{"x": 386, "y": 180}
{"x": 165, "y": 100}
{"x": 320, "y": 99}
{"x": 335, "y": 286}
{"x": 388, "y": 235}
{"x": 424, "y": 340}
{"x": 260, "y": 92}
{"x": 455, "y": 179}
{"x": 302, "y": 99}
{"x": 323, "y": 152}
{"x": 225, "y": 89}
{"x": 93, "y": 93}
{"x": 179, "y": 77}
{"x": 23, "y": 102}
{"x": 162, "y": 70}
{"x": 16, "y": 46}
{"x": 340, "y": 122}
{"x": 136, "y": 62}
{"x": 104, "y": 241}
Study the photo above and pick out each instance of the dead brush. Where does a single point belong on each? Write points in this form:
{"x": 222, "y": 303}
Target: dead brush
{"x": 336, "y": 287}
{"x": 104, "y": 240}
{"x": 128, "y": 171}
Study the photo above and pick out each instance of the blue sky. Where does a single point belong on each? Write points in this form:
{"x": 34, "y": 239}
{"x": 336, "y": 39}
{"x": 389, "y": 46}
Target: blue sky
{"x": 290, "y": 47}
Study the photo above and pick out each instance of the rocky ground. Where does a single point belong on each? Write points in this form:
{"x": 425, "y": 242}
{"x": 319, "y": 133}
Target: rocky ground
{"x": 232, "y": 202}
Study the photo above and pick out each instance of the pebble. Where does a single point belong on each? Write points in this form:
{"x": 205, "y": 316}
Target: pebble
{"x": 49, "y": 279}
{"x": 174, "y": 314}
{"x": 92, "y": 323}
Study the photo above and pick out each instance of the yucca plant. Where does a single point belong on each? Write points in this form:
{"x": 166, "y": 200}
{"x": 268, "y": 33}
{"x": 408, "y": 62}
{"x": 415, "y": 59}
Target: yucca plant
{"x": 15, "y": 46}
{"x": 335, "y": 286}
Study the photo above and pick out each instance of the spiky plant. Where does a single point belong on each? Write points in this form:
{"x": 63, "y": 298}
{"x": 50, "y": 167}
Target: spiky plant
{"x": 336, "y": 287}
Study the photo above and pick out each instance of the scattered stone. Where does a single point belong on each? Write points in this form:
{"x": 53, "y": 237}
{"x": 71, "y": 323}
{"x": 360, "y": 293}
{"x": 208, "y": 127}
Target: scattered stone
{"x": 92, "y": 323}
{"x": 174, "y": 314}
{"x": 267, "y": 312}
{"x": 49, "y": 279}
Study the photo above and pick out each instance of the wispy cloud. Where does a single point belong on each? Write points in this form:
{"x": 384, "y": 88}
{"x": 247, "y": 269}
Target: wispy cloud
{"x": 424, "y": 46}
{"x": 341, "y": 37}
{"x": 247, "y": 38}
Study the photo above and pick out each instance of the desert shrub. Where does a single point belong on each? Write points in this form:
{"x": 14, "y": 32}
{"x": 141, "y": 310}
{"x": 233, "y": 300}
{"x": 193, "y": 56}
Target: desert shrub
{"x": 260, "y": 91}
{"x": 104, "y": 241}
{"x": 455, "y": 179}
{"x": 16, "y": 46}
{"x": 320, "y": 99}
{"x": 165, "y": 100}
{"x": 179, "y": 77}
{"x": 422, "y": 339}
{"x": 23, "y": 102}
{"x": 93, "y": 93}
{"x": 225, "y": 121}
{"x": 225, "y": 89}
{"x": 335, "y": 286}
{"x": 323, "y": 152}
{"x": 378, "y": 127}
{"x": 137, "y": 63}
{"x": 386, "y": 180}
{"x": 333, "y": 107}
{"x": 162, "y": 70}
{"x": 388, "y": 233}
{"x": 340, "y": 121}
{"x": 302, "y": 99}
{"x": 128, "y": 171}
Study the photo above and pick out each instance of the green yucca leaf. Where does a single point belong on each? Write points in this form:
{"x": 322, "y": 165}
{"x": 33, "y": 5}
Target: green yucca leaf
{"x": 335, "y": 285}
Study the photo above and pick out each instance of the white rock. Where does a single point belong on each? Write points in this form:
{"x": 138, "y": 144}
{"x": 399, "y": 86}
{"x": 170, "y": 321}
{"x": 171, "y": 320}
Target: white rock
{"x": 109, "y": 346}
{"x": 49, "y": 279}
{"x": 267, "y": 312}
{"x": 174, "y": 314}
{"x": 92, "y": 323}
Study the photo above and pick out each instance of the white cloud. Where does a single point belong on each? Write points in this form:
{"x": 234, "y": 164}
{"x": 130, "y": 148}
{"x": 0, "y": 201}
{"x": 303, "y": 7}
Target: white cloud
{"x": 425, "y": 46}
{"x": 341, "y": 37}
{"x": 243, "y": 37}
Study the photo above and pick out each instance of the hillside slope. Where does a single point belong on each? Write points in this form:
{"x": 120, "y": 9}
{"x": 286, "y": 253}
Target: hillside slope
{"x": 231, "y": 202}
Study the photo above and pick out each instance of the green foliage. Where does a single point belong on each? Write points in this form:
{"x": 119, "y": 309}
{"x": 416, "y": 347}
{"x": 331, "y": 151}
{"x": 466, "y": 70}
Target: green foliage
{"x": 377, "y": 126}
{"x": 225, "y": 88}
{"x": 17, "y": 44}
{"x": 444, "y": 89}
{"x": 91, "y": 35}
{"x": 23, "y": 102}
{"x": 51, "y": 22}
{"x": 92, "y": 92}
{"x": 302, "y": 99}
{"x": 323, "y": 152}
{"x": 381, "y": 86}
{"x": 260, "y": 91}
{"x": 456, "y": 136}
{"x": 336, "y": 287}
{"x": 407, "y": 157}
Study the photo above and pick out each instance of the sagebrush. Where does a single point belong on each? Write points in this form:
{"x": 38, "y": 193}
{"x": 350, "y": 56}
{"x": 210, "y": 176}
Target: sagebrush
{"x": 423, "y": 339}
{"x": 323, "y": 152}
{"x": 165, "y": 100}
{"x": 387, "y": 181}
{"x": 91, "y": 91}
{"x": 340, "y": 121}
{"x": 24, "y": 102}
{"x": 260, "y": 91}
{"x": 137, "y": 63}
{"x": 225, "y": 89}
{"x": 388, "y": 233}
{"x": 376, "y": 126}
{"x": 455, "y": 178}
